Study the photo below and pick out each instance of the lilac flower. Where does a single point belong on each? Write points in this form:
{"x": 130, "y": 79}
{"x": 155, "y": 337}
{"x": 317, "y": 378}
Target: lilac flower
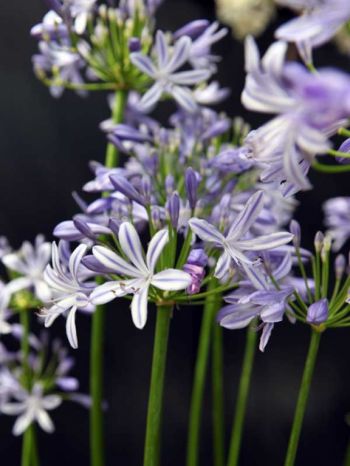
{"x": 211, "y": 94}
{"x": 30, "y": 262}
{"x": 31, "y": 407}
{"x": 337, "y": 220}
{"x": 319, "y": 23}
{"x": 164, "y": 72}
{"x": 233, "y": 243}
{"x": 65, "y": 63}
{"x": 52, "y": 27}
{"x": 318, "y": 312}
{"x": 80, "y": 11}
{"x": 71, "y": 292}
{"x": 257, "y": 298}
{"x": 142, "y": 272}
{"x": 309, "y": 109}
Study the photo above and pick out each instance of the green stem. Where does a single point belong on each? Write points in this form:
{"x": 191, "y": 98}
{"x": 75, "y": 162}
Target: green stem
{"x": 242, "y": 397}
{"x": 210, "y": 309}
{"x": 330, "y": 168}
{"x": 155, "y": 401}
{"x": 218, "y": 396}
{"x": 96, "y": 387}
{"x": 27, "y": 448}
{"x": 97, "y": 330}
{"x": 111, "y": 159}
{"x": 302, "y": 398}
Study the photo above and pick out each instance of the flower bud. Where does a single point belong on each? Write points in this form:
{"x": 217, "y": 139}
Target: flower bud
{"x": 318, "y": 312}
{"x": 294, "y": 228}
{"x": 318, "y": 242}
{"x": 339, "y": 266}
{"x": 125, "y": 187}
{"x": 169, "y": 184}
{"x": 327, "y": 244}
{"x": 191, "y": 184}
{"x": 134, "y": 44}
{"x": 84, "y": 228}
{"x": 114, "y": 225}
{"x": 193, "y": 29}
{"x": 173, "y": 206}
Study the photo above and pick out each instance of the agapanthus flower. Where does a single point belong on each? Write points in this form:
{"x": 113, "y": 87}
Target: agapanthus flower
{"x": 234, "y": 242}
{"x": 61, "y": 61}
{"x": 258, "y": 298}
{"x": 320, "y": 21}
{"x": 29, "y": 263}
{"x": 337, "y": 220}
{"x": 139, "y": 274}
{"x": 70, "y": 289}
{"x": 164, "y": 71}
{"x": 309, "y": 108}
{"x": 31, "y": 407}
{"x": 52, "y": 27}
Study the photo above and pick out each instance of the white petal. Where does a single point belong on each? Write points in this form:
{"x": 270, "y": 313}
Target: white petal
{"x": 75, "y": 260}
{"x": 45, "y": 421}
{"x": 110, "y": 290}
{"x": 264, "y": 242}
{"x": 22, "y": 423}
{"x": 139, "y": 307}
{"x": 114, "y": 262}
{"x": 131, "y": 246}
{"x": 42, "y": 290}
{"x": 155, "y": 248}
{"x": 71, "y": 328}
{"x": 51, "y": 402}
{"x": 205, "y": 231}
{"x": 171, "y": 279}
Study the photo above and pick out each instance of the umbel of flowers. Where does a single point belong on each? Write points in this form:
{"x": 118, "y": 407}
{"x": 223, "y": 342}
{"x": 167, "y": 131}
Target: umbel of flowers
{"x": 201, "y": 213}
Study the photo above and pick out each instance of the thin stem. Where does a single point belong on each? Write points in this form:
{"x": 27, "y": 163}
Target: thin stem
{"x": 210, "y": 309}
{"x": 218, "y": 396}
{"x": 347, "y": 456}
{"x": 27, "y": 448}
{"x": 117, "y": 116}
{"x": 242, "y": 397}
{"x": 97, "y": 329}
{"x": 96, "y": 387}
{"x": 155, "y": 401}
{"x": 302, "y": 398}
{"x": 330, "y": 168}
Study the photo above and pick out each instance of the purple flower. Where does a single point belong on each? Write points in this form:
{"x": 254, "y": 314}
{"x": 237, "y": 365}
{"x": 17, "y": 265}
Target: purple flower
{"x": 52, "y": 28}
{"x": 140, "y": 272}
{"x": 318, "y": 24}
{"x": 164, "y": 72}
{"x": 233, "y": 243}
{"x": 337, "y": 220}
{"x": 318, "y": 312}
{"x": 192, "y": 180}
{"x": 309, "y": 109}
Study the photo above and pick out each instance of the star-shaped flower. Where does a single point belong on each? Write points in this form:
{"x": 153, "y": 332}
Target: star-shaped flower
{"x": 139, "y": 273}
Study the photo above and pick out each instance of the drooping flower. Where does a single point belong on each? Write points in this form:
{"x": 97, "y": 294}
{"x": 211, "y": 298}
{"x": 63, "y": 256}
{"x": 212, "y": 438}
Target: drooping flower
{"x": 69, "y": 287}
{"x": 138, "y": 275}
{"x": 29, "y": 262}
{"x": 31, "y": 407}
{"x": 164, "y": 72}
{"x": 234, "y": 242}
{"x": 309, "y": 108}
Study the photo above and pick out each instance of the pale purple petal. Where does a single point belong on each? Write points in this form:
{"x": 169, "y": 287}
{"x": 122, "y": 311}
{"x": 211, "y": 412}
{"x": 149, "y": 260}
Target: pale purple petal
{"x": 155, "y": 248}
{"x": 131, "y": 246}
{"x": 171, "y": 280}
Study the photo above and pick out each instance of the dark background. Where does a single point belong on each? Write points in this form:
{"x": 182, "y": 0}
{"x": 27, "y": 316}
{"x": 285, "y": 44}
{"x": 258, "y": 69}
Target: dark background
{"x": 45, "y": 145}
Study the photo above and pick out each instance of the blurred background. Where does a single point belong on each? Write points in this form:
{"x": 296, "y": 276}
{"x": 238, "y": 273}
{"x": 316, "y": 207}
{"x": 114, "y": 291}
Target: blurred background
{"x": 45, "y": 145}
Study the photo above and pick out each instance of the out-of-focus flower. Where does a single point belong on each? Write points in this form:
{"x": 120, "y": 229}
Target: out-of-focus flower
{"x": 246, "y": 17}
{"x": 309, "y": 108}
{"x": 337, "y": 220}
{"x": 142, "y": 272}
{"x": 29, "y": 262}
{"x": 318, "y": 24}
{"x": 31, "y": 407}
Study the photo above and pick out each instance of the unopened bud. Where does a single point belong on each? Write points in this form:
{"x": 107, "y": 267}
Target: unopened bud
{"x": 327, "y": 244}
{"x": 294, "y": 228}
{"x": 339, "y": 266}
{"x": 318, "y": 312}
{"x": 318, "y": 242}
{"x": 174, "y": 209}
